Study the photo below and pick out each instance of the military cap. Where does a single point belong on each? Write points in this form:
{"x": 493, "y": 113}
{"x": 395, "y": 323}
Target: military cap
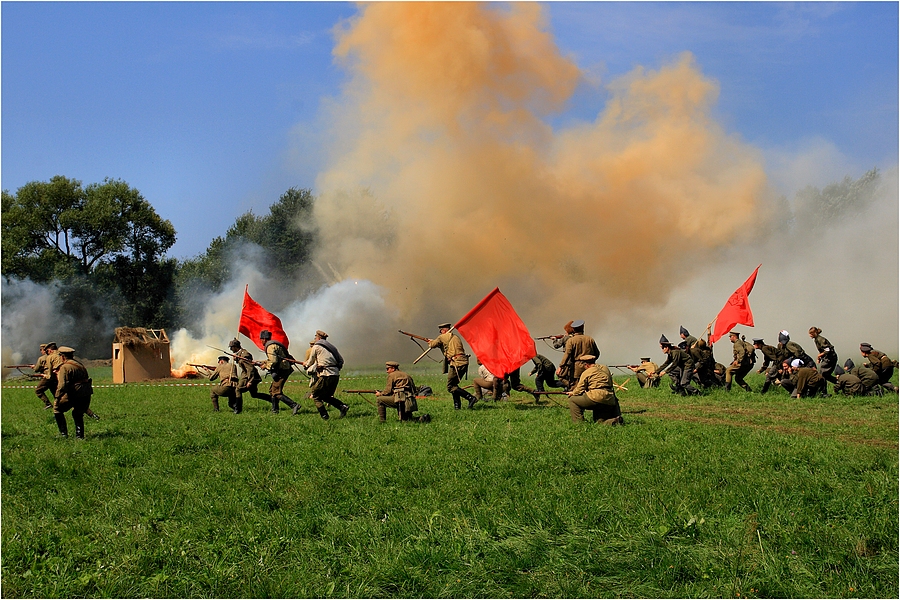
{"x": 444, "y": 326}
{"x": 735, "y": 333}
{"x": 321, "y": 334}
{"x": 579, "y": 324}
{"x": 225, "y": 358}
{"x": 865, "y": 347}
{"x": 392, "y": 363}
{"x": 312, "y": 342}
{"x": 796, "y": 363}
{"x": 647, "y": 358}
{"x": 66, "y": 350}
{"x": 265, "y": 334}
{"x": 51, "y": 344}
{"x": 848, "y": 364}
{"x": 43, "y": 346}
{"x": 758, "y": 341}
{"x": 683, "y": 331}
{"x": 664, "y": 341}
{"x": 587, "y": 358}
{"x": 234, "y": 343}
{"x": 682, "y": 345}
{"x": 838, "y": 370}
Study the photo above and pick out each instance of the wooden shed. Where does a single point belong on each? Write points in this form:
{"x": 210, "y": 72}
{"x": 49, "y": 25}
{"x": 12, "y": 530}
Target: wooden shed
{"x": 140, "y": 354}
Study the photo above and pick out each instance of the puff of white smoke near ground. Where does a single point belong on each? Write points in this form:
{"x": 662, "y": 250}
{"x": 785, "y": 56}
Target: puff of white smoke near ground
{"x": 31, "y": 316}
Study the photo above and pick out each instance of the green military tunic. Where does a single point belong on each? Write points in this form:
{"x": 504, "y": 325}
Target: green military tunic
{"x": 570, "y": 368}
{"x": 399, "y": 392}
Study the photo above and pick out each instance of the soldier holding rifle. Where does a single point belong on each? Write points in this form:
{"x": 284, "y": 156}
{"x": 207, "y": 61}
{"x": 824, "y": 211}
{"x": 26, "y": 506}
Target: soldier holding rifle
{"x": 644, "y": 372}
{"x": 457, "y": 362}
{"x": 325, "y": 362}
{"x": 248, "y": 376}
{"x": 225, "y": 373}
{"x": 680, "y": 367}
{"x": 400, "y": 393}
{"x": 72, "y": 391}
{"x": 278, "y": 365}
{"x": 579, "y": 344}
{"x": 41, "y": 367}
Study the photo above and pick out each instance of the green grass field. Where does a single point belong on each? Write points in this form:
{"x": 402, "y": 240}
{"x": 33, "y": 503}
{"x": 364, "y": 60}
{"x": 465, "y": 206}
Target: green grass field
{"x": 725, "y": 495}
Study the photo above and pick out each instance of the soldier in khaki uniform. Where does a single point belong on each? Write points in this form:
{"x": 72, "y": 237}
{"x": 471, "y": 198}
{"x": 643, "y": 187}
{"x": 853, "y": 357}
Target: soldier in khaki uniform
{"x": 808, "y": 381}
{"x": 457, "y": 364}
{"x": 827, "y": 357}
{"x": 73, "y": 391}
{"x": 248, "y": 376}
{"x": 279, "y": 368}
{"x": 40, "y": 368}
{"x": 880, "y": 363}
{"x": 325, "y": 362}
{"x": 744, "y": 357}
{"x": 570, "y": 367}
{"x": 645, "y": 371}
{"x": 227, "y": 375}
{"x": 400, "y": 393}
{"x": 772, "y": 359}
{"x": 594, "y": 391}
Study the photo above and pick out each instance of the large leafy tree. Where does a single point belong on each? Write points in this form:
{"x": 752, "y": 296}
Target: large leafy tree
{"x": 105, "y": 238}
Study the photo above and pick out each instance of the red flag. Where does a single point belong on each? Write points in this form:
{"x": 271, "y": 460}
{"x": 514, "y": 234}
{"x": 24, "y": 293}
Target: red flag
{"x": 254, "y": 318}
{"x": 736, "y": 311}
{"x": 497, "y": 335}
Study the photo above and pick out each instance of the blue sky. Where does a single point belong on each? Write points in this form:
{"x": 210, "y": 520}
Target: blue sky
{"x": 212, "y": 109}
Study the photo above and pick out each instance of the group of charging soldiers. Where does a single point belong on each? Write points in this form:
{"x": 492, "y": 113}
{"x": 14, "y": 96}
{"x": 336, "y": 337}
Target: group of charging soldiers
{"x": 786, "y": 365}
{"x": 588, "y": 385}
{"x": 68, "y": 382}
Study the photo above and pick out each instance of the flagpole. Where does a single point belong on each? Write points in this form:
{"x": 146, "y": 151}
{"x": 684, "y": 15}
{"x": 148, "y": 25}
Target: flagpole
{"x": 421, "y": 356}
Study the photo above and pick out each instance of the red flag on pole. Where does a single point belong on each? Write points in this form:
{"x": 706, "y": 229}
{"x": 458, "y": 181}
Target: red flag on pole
{"x": 736, "y": 311}
{"x": 497, "y": 335}
{"x": 254, "y": 318}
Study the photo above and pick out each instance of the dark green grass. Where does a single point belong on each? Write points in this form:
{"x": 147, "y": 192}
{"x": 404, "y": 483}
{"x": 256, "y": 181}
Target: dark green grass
{"x": 726, "y": 495}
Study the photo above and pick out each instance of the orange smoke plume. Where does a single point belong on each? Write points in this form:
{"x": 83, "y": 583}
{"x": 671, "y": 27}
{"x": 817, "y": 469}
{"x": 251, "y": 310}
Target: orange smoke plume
{"x": 443, "y": 125}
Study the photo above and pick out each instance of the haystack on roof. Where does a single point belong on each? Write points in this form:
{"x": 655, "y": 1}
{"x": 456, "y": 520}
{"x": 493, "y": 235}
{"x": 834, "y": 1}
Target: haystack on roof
{"x": 140, "y": 336}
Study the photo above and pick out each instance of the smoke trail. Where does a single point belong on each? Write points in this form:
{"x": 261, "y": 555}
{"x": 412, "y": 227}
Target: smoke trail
{"x": 444, "y": 121}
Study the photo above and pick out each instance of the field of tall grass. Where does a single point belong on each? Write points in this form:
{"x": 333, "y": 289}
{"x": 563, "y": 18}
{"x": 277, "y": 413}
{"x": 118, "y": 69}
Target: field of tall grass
{"x": 726, "y": 495}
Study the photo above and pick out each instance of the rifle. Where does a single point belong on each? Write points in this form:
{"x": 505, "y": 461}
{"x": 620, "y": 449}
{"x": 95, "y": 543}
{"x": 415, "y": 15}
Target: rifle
{"x": 361, "y": 392}
{"x": 18, "y": 366}
{"x": 414, "y": 336}
{"x": 207, "y": 367}
{"x": 28, "y": 375}
{"x": 550, "y": 337}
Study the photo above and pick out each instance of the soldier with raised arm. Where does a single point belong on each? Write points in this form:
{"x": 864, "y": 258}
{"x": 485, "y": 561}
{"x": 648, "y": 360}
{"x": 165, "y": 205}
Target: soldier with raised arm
{"x": 457, "y": 363}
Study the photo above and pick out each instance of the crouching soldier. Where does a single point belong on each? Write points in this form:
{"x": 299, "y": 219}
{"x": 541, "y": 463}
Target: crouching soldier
{"x": 400, "y": 393}
{"x": 594, "y": 391}
{"x": 73, "y": 391}
{"x": 226, "y": 387}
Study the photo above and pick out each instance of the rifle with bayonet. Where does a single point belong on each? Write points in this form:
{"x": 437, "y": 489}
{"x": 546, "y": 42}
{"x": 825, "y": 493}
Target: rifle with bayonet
{"x": 415, "y": 337}
{"x": 206, "y": 367}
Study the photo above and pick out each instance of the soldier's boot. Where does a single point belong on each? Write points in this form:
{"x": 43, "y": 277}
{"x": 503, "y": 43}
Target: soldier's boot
{"x": 727, "y": 386}
{"x": 343, "y": 408}
{"x": 238, "y": 405}
{"x": 323, "y": 412}
{"x": 382, "y": 413}
{"x": 745, "y": 386}
{"x": 457, "y": 403}
{"x": 472, "y": 399}
{"x": 61, "y": 425}
{"x": 79, "y": 425}
{"x": 92, "y": 414}
{"x": 275, "y": 404}
{"x": 294, "y": 406}
{"x": 215, "y": 403}
{"x": 47, "y": 403}
{"x": 765, "y": 387}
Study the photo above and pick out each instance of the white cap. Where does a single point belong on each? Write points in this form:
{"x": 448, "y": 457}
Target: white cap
{"x": 784, "y": 332}
{"x": 796, "y": 363}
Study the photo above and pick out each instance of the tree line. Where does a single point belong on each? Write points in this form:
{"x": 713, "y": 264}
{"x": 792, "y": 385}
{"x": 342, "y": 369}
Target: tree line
{"x": 104, "y": 247}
